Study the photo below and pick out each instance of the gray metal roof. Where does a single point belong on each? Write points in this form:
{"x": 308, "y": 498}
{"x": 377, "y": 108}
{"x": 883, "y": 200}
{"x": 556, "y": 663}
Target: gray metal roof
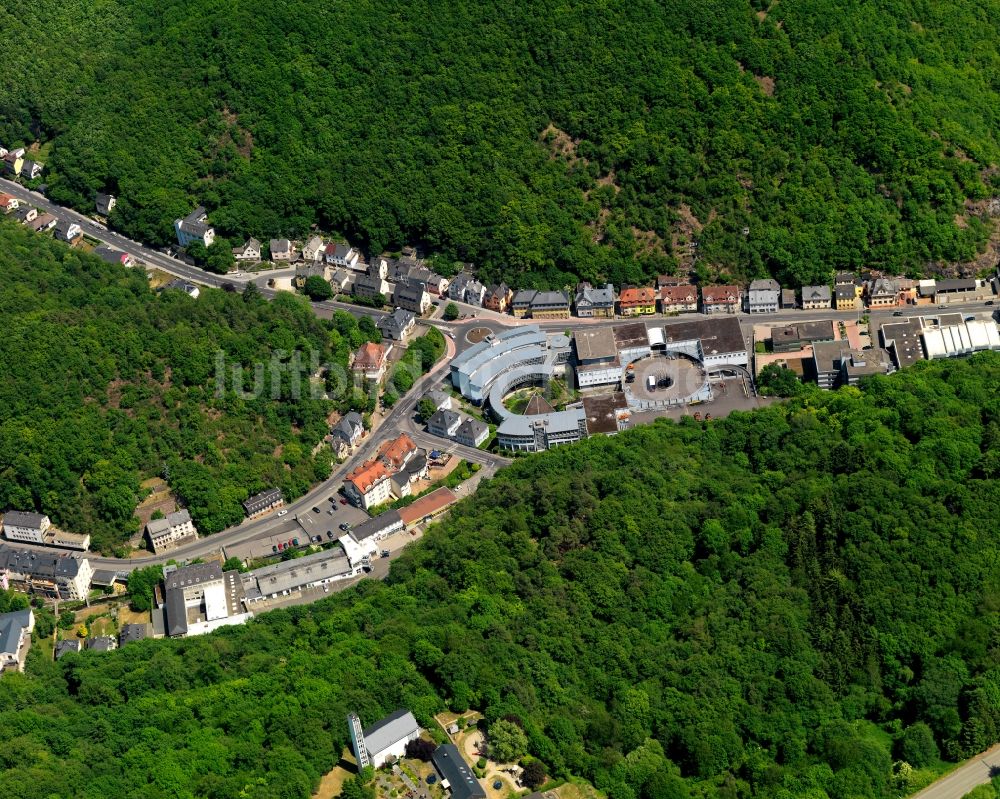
{"x": 262, "y": 500}
{"x": 39, "y": 564}
{"x": 11, "y": 625}
{"x": 62, "y": 647}
{"x": 381, "y": 523}
{"x": 453, "y": 768}
{"x": 392, "y": 729}
{"x": 22, "y": 518}
{"x": 196, "y": 574}
{"x": 291, "y": 575}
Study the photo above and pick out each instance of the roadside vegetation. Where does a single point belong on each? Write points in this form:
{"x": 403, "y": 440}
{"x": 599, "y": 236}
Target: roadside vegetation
{"x": 542, "y": 142}
{"x": 802, "y": 601}
{"x": 104, "y": 383}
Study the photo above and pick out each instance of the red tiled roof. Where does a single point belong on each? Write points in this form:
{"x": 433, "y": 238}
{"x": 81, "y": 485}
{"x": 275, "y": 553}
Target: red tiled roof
{"x": 720, "y": 294}
{"x": 395, "y": 451}
{"x": 367, "y": 475}
{"x": 370, "y": 356}
{"x": 428, "y": 505}
{"x": 678, "y": 294}
{"x": 637, "y": 296}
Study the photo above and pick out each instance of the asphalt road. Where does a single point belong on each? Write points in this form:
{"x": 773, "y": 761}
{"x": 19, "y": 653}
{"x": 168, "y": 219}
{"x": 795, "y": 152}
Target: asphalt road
{"x": 976, "y": 771}
{"x": 400, "y": 418}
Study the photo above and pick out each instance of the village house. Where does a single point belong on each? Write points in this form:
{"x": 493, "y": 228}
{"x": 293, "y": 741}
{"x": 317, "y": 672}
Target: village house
{"x": 680, "y": 298}
{"x": 637, "y": 301}
{"x": 370, "y": 362}
{"x": 64, "y": 648}
{"x": 815, "y": 298}
{"x": 883, "y": 293}
{"x": 313, "y": 249}
{"x": 550, "y": 305}
{"x": 26, "y": 214}
{"x": 171, "y": 531}
{"x": 342, "y": 255}
{"x": 845, "y": 297}
{"x": 440, "y": 399}
{"x": 13, "y": 161}
{"x": 521, "y": 304}
{"x": 593, "y": 302}
{"x": 345, "y": 435}
{"x": 15, "y": 634}
{"x": 42, "y": 222}
{"x": 397, "y": 452}
{"x": 68, "y": 231}
{"x": 444, "y": 423}
{"x": 764, "y": 296}
{"x": 25, "y": 526}
{"x": 662, "y": 281}
{"x": 342, "y": 280}
{"x": 259, "y": 504}
{"x": 194, "y": 227}
{"x": 497, "y": 297}
{"x": 8, "y": 203}
{"x": 371, "y": 287}
{"x": 412, "y": 296}
{"x": 280, "y": 249}
{"x": 720, "y": 299}
{"x": 112, "y": 256}
{"x": 368, "y": 485}
{"x": 45, "y": 573}
{"x": 397, "y": 325}
{"x": 248, "y": 251}
{"x": 104, "y": 203}
{"x": 472, "y": 432}
{"x": 31, "y": 169}
{"x": 189, "y": 288}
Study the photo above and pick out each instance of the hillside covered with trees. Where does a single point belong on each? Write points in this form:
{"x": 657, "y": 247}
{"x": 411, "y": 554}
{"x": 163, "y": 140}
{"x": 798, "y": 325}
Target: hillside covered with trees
{"x": 790, "y": 603}
{"x": 544, "y": 141}
{"x": 104, "y": 383}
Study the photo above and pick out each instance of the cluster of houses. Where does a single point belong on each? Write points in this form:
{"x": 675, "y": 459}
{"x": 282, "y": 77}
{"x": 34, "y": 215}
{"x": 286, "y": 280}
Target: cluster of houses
{"x": 452, "y": 424}
{"x": 16, "y": 164}
{"x": 397, "y": 464}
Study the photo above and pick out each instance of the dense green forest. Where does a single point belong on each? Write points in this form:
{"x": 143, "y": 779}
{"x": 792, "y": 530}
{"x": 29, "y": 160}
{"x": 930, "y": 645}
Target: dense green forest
{"x": 104, "y": 383}
{"x": 545, "y": 141}
{"x": 781, "y": 604}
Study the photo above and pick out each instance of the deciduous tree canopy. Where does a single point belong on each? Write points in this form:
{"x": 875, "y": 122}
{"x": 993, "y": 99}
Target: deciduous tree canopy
{"x": 544, "y": 141}
{"x": 104, "y": 383}
{"x": 768, "y": 605}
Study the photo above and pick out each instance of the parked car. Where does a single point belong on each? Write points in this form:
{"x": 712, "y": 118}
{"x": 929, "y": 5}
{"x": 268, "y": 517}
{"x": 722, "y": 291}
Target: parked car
{"x": 316, "y": 510}
{"x": 274, "y": 549}
{"x": 344, "y": 527}
{"x": 330, "y": 511}
{"x": 281, "y": 547}
{"x": 385, "y": 553}
{"x": 991, "y": 302}
{"x": 329, "y": 534}
{"x": 282, "y": 512}
{"x": 897, "y": 313}
{"x": 343, "y": 501}
{"x": 295, "y": 542}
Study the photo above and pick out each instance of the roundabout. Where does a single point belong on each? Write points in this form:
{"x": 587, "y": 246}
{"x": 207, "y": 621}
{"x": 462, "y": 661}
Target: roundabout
{"x": 477, "y": 334}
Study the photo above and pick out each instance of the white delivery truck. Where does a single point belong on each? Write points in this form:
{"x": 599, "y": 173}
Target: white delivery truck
{"x": 650, "y": 383}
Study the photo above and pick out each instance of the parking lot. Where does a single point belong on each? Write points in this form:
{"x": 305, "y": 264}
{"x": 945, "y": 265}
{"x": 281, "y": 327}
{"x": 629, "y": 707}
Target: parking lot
{"x": 324, "y": 523}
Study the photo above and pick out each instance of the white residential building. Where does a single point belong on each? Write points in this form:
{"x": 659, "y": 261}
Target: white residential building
{"x": 169, "y": 532}
{"x": 194, "y": 227}
{"x": 25, "y": 526}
